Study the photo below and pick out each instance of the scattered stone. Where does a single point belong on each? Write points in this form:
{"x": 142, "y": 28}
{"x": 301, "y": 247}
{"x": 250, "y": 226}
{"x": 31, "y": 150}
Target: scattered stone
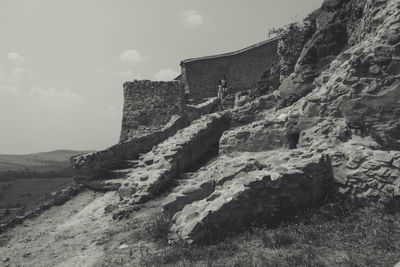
{"x": 123, "y": 246}
{"x": 110, "y": 208}
{"x": 374, "y": 69}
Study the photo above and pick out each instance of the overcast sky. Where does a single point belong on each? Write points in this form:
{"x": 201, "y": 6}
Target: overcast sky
{"x": 62, "y": 63}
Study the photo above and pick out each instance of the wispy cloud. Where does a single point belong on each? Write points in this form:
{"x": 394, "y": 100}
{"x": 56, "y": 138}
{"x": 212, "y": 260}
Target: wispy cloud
{"x": 1, "y": 76}
{"x": 21, "y": 72}
{"x": 166, "y": 75}
{"x": 21, "y": 76}
{"x": 55, "y": 96}
{"x": 128, "y": 75}
{"x": 191, "y": 19}
{"x": 112, "y": 112}
{"x": 130, "y": 56}
{"x": 4, "y": 88}
{"x": 13, "y": 81}
{"x": 16, "y": 58}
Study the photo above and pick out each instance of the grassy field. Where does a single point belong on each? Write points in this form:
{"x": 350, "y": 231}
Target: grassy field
{"x": 23, "y": 191}
{"x": 26, "y": 178}
{"x": 43, "y": 161}
{"x": 340, "y": 233}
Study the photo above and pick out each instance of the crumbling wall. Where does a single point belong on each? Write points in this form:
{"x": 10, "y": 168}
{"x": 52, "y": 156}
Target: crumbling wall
{"x": 95, "y": 165}
{"x": 207, "y": 107}
{"x": 165, "y": 161}
{"x": 148, "y": 106}
{"x": 242, "y": 69}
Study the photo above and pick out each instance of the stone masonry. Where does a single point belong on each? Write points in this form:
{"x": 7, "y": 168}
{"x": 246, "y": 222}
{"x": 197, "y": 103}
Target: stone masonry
{"x": 148, "y": 106}
{"x": 243, "y": 69}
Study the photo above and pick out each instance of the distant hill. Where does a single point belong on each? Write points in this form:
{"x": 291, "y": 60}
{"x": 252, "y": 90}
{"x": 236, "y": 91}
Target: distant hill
{"x": 37, "y": 159}
{"x": 21, "y": 166}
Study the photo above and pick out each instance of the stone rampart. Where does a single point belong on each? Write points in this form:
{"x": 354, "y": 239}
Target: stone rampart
{"x": 242, "y": 69}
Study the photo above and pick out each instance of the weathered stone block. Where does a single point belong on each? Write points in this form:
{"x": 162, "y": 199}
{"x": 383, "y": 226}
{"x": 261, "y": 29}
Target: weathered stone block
{"x": 255, "y": 196}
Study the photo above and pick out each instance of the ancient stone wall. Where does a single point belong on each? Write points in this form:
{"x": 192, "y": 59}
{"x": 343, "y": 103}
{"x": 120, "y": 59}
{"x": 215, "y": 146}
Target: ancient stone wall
{"x": 95, "y": 165}
{"x": 242, "y": 69}
{"x": 149, "y": 105}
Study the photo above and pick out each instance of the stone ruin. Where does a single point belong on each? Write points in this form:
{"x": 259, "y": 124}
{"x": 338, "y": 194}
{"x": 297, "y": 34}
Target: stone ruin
{"x": 317, "y": 112}
{"x": 149, "y": 106}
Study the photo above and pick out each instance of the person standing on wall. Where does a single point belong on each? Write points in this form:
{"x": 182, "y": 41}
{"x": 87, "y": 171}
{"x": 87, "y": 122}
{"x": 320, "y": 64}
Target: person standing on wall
{"x": 219, "y": 90}
{"x": 222, "y": 88}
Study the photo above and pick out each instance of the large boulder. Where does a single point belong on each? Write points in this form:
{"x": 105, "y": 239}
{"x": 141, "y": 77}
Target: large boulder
{"x": 273, "y": 184}
{"x": 260, "y": 135}
{"x": 202, "y": 183}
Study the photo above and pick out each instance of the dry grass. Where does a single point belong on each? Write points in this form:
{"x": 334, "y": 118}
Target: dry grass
{"x": 159, "y": 227}
{"x": 341, "y": 233}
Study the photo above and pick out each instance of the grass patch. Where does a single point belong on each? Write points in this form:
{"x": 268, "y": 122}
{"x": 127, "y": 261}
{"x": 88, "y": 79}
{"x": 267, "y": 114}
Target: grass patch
{"x": 342, "y": 232}
{"x": 279, "y": 238}
{"x": 159, "y": 227}
{"x": 25, "y": 191}
{"x": 181, "y": 254}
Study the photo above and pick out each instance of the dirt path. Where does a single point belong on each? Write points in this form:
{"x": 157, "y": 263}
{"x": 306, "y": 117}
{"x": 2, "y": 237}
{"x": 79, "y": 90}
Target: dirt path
{"x": 79, "y": 233}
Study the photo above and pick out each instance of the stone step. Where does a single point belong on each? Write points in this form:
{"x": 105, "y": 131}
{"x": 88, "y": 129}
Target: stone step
{"x": 169, "y": 158}
{"x": 228, "y": 102}
{"x": 131, "y": 163}
{"x": 226, "y": 106}
{"x": 184, "y": 176}
{"x": 105, "y": 185}
{"x": 116, "y": 174}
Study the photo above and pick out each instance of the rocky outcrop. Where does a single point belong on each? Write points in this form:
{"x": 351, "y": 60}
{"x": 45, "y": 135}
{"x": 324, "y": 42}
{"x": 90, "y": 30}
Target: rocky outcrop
{"x": 258, "y": 136}
{"x": 354, "y": 98}
{"x": 262, "y": 188}
{"x": 331, "y": 125}
{"x": 161, "y": 165}
{"x": 361, "y": 169}
{"x": 316, "y": 55}
{"x": 335, "y": 26}
{"x": 291, "y": 42}
{"x": 346, "y": 87}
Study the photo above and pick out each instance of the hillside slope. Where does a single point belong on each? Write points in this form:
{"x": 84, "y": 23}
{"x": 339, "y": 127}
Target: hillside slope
{"x": 7, "y": 161}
